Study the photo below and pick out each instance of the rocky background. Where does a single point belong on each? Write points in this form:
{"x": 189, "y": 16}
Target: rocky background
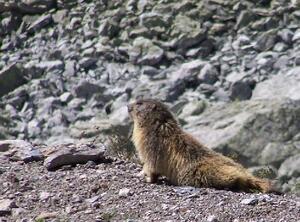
{"x": 228, "y": 69}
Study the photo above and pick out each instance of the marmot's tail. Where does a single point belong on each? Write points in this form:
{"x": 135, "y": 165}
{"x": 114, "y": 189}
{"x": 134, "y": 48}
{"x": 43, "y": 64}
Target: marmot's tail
{"x": 254, "y": 184}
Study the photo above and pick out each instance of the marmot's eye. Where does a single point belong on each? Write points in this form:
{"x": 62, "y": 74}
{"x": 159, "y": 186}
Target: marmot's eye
{"x": 139, "y": 103}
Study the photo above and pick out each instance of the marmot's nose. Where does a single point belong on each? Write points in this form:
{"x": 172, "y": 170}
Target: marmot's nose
{"x": 130, "y": 107}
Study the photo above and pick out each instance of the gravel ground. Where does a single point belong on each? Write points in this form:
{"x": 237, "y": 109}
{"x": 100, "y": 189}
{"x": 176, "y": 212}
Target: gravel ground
{"x": 116, "y": 192}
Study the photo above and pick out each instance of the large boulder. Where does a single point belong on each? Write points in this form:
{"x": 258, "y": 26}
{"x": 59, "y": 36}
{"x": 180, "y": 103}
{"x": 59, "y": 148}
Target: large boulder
{"x": 250, "y": 130}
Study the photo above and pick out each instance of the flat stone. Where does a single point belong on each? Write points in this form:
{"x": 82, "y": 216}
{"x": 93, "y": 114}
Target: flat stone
{"x": 68, "y": 156}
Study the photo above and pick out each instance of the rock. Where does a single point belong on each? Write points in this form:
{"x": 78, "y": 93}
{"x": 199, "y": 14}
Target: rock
{"x": 72, "y": 156}
{"x": 6, "y": 206}
{"x": 296, "y": 36}
{"x": 29, "y": 6}
{"x": 283, "y": 85}
{"x": 185, "y": 190}
{"x": 86, "y": 63}
{"x": 144, "y": 52}
{"x": 50, "y": 65}
{"x": 244, "y": 19}
{"x": 250, "y": 201}
{"x": 124, "y": 192}
{"x": 46, "y": 215}
{"x": 108, "y": 28}
{"x": 212, "y": 218}
{"x": 40, "y": 23}
{"x": 70, "y": 68}
{"x": 44, "y": 195}
{"x": 240, "y": 91}
{"x": 245, "y": 128}
{"x": 290, "y": 167}
{"x": 208, "y": 74}
{"x": 85, "y": 89}
{"x": 21, "y": 150}
{"x": 193, "y": 108}
{"x": 286, "y": 36}
{"x": 187, "y": 32}
{"x": 11, "y": 77}
{"x": 66, "y": 97}
{"x": 152, "y": 19}
{"x": 276, "y": 153}
{"x": 188, "y": 70}
{"x": 266, "y": 41}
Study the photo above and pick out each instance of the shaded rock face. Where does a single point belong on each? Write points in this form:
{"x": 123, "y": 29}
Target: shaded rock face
{"x": 67, "y": 70}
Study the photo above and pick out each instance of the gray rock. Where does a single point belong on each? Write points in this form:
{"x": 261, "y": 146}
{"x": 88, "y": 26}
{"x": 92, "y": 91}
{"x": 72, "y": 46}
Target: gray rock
{"x": 290, "y": 167}
{"x": 276, "y": 153}
{"x": 108, "y": 28}
{"x": 11, "y": 77}
{"x": 245, "y": 128}
{"x": 188, "y": 70}
{"x": 144, "y": 52}
{"x": 152, "y": 19}
{"x": 212, "y": 218}
{"x": 85, "y": 89}
{"x": 286, "y": 35}
{"x": 6, "y": 206}
{"x": 70, "y": 68}
{"x": 187, "y": 32}
{"x": 124, "y": 192}
{"x": 86, "y": 63}
{"x": 21, "y": 150}
{"x": 29, "y": 6}
{"x": 250, "y": 201}
{"x": 50, "y": 65}
{"x": 266, "y": 41}
{"x": 296, "y": 36}
{"x": 76, "y": 104}
{"x": 66, "y": 97}
{"x": 208, "y": 74}
{"x": 40, "y": 23}
{"x": 285, "y": 85}
{"x": 193, "y": 108}
{"x": 72, "y": 156}
{"x": 240, "y": 91}
{"x": 244, "y": 19}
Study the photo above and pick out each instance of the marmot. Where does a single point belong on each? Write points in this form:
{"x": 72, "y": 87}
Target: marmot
{"x": 166, "y": 150}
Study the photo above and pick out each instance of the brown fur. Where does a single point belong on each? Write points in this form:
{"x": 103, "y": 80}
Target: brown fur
{"x": 165, "y": 150}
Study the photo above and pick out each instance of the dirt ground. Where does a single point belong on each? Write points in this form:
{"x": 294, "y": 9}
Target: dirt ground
{"x": 115, "y": 192}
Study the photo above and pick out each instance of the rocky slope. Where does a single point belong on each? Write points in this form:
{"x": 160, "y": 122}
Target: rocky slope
{"x": 68, "y": 68}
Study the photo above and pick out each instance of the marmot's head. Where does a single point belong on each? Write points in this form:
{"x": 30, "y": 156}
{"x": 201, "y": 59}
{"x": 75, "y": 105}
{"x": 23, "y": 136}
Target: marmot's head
{"x": 150, "y": 113}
